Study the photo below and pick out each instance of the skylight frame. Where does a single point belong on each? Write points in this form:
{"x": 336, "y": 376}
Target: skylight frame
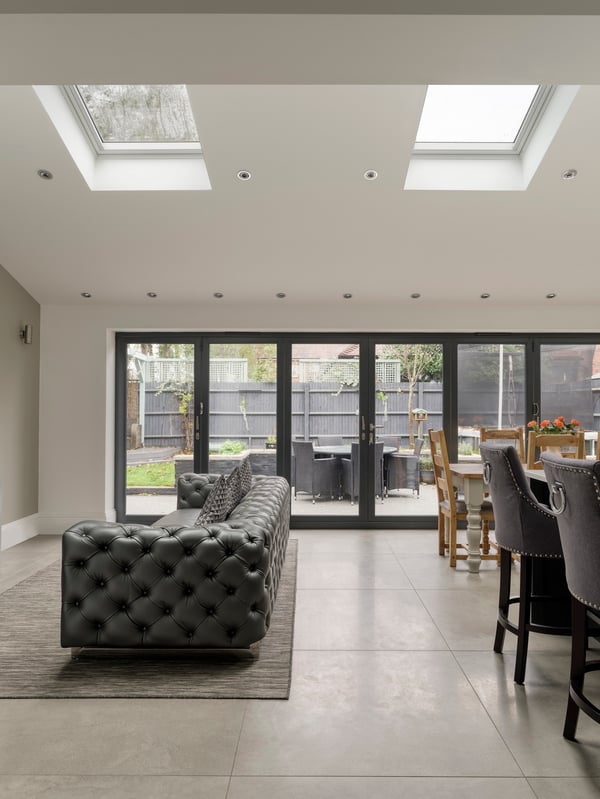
{"x": 126, "y": 149}
{"x": 475, "y": 150}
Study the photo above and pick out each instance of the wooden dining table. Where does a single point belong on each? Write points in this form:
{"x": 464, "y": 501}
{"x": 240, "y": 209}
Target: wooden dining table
{"x": 468, "y": 477}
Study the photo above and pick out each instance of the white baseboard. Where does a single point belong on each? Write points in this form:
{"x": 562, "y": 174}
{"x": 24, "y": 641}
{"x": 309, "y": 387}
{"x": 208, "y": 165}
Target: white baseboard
{"x": 18, "y": 531}
{"x": 51, "y": 524}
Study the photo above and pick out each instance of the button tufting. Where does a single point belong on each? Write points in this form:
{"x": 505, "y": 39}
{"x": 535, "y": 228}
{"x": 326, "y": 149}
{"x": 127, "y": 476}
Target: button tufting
{"x": 231, "y": 591}
{"x": 144, "y": 592}
{"x": 252, "y": 567}
{"x": 76, "y": 603}
{"x": 143, "y": 629}
{"x": 101, "y": 584}
{"x": 98, "y": 626}
{"x": 168, "y": 572}
{"x": 210, "y": 611}
{"x": 105, "y": 547}
{"x": 167, "y": 611}
{"x": 81, "y": 563}
{"x": 210, "y": 573}
{"x": 231, "y": 633}
{"x": 188, "y": 551}
{"x": 123, "y": 607}
{"x": 190, "y": 635}
{"x": 125, "y": 569}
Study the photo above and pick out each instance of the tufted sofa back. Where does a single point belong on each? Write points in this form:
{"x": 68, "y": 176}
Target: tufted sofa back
{"x": 193, "y": 489}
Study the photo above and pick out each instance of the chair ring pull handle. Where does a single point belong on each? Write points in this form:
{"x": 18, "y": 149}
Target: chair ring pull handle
{"x": 487, "y": 472}
{"x": 558, "y": 498}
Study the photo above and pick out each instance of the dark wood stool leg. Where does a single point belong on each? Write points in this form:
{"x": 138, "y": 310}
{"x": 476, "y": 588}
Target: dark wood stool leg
{"x": 524, "y": 619}
{"x": 578, "y": 657}
{"x": 503, "y": 598}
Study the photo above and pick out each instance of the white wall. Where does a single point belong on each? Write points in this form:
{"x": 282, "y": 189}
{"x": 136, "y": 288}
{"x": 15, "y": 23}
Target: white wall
{"x": 77, "y": 372}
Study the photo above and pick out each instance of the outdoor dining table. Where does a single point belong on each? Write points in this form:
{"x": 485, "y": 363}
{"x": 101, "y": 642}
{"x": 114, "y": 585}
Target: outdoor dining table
{"x": 340, "y": 450}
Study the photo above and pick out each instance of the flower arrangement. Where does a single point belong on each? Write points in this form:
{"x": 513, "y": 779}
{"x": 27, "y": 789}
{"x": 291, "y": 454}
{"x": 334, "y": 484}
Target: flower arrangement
{"x": 559, "y": 425}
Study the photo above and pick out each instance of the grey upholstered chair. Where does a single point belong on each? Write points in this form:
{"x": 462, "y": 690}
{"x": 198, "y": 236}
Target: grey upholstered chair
{"x": 316, "y": 476}
{"x": 525, "y": 527}
{"x": 403, "y": 469}
{"x": 351, "y": 472}
{"x": 575, "y": 497}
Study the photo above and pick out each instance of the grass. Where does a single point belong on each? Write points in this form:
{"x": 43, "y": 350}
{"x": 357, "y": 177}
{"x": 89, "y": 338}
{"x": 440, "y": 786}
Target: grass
{"x": 152, "y": 474}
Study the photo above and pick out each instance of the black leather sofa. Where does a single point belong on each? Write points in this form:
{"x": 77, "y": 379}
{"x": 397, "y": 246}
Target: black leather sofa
{"x": 175, "y": 585}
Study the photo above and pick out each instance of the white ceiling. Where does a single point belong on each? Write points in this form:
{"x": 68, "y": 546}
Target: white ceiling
{"x": 306, "y": 103}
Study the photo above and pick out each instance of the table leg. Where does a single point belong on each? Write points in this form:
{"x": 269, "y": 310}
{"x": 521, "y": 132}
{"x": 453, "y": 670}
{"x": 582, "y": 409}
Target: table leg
{"x": 473, "y": 498}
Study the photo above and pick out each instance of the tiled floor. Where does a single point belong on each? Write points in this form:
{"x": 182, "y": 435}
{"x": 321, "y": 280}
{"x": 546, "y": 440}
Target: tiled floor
{"x": 395, "y": 693}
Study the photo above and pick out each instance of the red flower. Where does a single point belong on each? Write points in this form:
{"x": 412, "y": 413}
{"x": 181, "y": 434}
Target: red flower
{"x": 544, "y": 423}
{"x": 559, "y": 423}
{"x": 574, "y": 422}
{"x": 532, "y": 423}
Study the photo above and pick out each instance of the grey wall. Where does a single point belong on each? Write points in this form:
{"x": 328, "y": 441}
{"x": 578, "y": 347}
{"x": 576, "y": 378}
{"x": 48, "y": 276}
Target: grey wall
{"x": 19, "y": 402}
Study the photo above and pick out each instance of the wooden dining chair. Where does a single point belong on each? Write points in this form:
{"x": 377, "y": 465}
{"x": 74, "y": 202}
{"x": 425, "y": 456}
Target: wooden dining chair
{"x": 452, "y": 509}
{"x": 505, "y": 436}
{"x": 569, "y": 445}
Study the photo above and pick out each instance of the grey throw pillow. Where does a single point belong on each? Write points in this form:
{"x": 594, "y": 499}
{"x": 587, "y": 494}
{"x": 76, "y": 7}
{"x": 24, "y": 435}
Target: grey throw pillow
{"x": 217, "y": 506}
{"x": 234, "y": 483}
{"x": 245, "y": 471}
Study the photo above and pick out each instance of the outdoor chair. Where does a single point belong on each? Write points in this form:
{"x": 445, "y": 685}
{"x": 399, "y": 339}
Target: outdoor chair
{"x": 351, "y": 472}
{"x": 526, "y": 528}
{"x": 575, "y": 497}
{"x": 505, "y": 436}
{"x": 312, "y": 475}
{"x": 452, "y": 509}
{"x": 403, "y": 469}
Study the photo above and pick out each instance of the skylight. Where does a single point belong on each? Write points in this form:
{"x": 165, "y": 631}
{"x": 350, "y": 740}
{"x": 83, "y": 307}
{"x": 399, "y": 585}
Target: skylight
{"x": 136, "y": 117}
{"x": 472, "y": 118}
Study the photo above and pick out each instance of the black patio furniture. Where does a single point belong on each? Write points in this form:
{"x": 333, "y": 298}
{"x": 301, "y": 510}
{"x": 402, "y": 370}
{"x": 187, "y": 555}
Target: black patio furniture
{"x": 402, "y": 469}
{"x": 351, "y": 472}
{"x": 319, "y": 476}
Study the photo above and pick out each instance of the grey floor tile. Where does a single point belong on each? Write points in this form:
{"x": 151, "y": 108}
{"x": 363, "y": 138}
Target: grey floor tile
{"x": 329, "y": 570}
{"x": 413, "y": 542}
{"x": 571, "y": 787}
{"x": 356, "y": 541}
{"x": 363, "y": 619}
{"x": 426, "y": 571}
{"x": 530, "y": 717}
{"x": 380, "y": 787}
{"x": 104, "y": 737}
{"x": 92, "y": 786}
{"x": 373, "y": 714}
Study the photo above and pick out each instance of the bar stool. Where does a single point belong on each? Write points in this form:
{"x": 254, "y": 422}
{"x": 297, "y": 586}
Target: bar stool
{"x": 575, "y": 498}
{"x": 529, "y": 529}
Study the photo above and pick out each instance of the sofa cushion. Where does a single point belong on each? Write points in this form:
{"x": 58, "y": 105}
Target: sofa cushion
{"x": 218, "y": 505}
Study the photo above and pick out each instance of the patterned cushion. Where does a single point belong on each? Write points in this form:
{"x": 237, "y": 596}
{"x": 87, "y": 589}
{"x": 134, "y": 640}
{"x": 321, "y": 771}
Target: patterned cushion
{"x": 218, "y": 504}
{"x": 245, "y": 476}
{"x": 234, "y": 483}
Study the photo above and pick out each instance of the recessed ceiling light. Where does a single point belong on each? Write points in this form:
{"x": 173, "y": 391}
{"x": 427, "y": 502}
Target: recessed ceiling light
{"x": 280, "y": 295}
{"x": 415, "y": 295}
{"x": 86, "y": 294}
{"x": 347, "y": 296}
{"x": 151, "y": 294}
{"x": 218, "y": 294}
{"x": 243, "y": 174}
{"x": 569, "y": 174}
{"x": 45, "y": 174}
{"x": 370, "y": 174}
{"x": 485, "y": 295}
{"x": 550, "y": 296}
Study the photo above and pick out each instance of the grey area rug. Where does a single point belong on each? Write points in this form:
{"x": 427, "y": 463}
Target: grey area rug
{"x": 34, "y": 666}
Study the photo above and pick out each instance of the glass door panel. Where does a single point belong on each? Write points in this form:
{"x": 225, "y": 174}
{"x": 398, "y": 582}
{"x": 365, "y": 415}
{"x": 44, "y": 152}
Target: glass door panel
{"x": 325, "y": 428}
{"x": 570, "y": 386}
{"x": 243, "y": 407}
{"x": 408, "y": 400}
{"x": 159, "y": 424}
{"x": 490, "y": 391}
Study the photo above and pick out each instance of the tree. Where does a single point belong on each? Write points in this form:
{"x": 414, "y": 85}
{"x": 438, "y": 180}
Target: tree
{"x": 418, "y": 362}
